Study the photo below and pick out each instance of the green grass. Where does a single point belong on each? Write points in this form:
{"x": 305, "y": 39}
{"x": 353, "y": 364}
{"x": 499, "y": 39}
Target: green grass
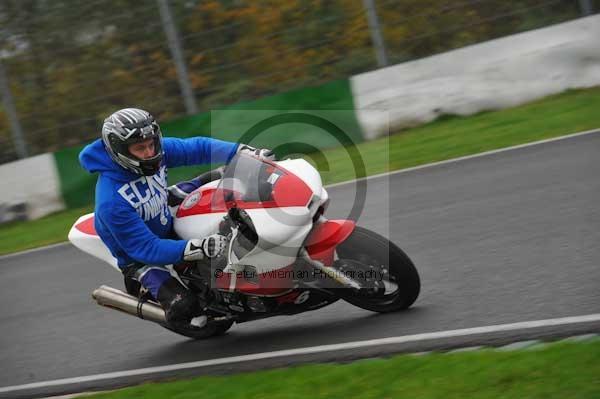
{"x": 562, "y": 370}
{"x": 447, "y": 138}
{"x": 452, "y": 137}
{"x": 52, "y": 229}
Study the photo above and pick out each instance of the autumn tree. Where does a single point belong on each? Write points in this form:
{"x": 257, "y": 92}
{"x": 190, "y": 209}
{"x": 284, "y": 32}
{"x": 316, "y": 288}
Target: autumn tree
{"x": 72, "y": 62}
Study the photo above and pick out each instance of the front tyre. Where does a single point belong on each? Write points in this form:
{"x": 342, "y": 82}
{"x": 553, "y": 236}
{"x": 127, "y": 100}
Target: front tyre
{"x": 401, "y": 278}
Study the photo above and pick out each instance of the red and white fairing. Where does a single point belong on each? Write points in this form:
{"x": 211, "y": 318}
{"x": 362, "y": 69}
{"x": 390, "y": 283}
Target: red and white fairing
{"x": 282, "y": 223}
{"x": 83, "y": 235}
{"x": 282, "y": 219}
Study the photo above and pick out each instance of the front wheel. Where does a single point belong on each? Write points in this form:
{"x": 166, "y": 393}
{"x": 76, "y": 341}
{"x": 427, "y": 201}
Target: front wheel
{"x": 400, "y": 277}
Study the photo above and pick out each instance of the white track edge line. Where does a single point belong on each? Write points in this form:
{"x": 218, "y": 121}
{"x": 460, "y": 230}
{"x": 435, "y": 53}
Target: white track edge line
{"x": 310, "y": 350}
{"x": 33, "y": 250}
{"x": 394, "y": 172}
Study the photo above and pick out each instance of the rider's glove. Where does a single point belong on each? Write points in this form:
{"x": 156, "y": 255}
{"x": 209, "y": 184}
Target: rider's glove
{"x": 209, "y": 247}
{"x": 260, "y": 153}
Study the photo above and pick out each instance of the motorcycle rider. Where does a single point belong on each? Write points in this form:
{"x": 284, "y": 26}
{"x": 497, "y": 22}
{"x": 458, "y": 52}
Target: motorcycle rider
{"x": 132, "y": 215}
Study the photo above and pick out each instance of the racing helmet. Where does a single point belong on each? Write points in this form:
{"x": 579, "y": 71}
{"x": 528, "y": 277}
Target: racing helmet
{"x": 128, "y": 126}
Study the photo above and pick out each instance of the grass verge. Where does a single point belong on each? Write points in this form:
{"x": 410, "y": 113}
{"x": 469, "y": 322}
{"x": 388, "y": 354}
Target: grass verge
{"x": 561, "y": 370}
{"x": 451, "y": 136}
{"x": 51, "y": 229}
{"x": 447, "y": 138}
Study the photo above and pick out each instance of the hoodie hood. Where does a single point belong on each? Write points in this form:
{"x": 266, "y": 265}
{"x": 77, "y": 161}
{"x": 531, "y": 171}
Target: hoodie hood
{"x": 95, "y": 158}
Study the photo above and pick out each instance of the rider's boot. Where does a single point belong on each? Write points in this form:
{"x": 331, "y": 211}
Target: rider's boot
{"x": 180, "y": 305}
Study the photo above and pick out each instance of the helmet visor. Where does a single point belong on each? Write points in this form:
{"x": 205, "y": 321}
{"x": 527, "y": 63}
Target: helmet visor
{"x": 146, "y": 138}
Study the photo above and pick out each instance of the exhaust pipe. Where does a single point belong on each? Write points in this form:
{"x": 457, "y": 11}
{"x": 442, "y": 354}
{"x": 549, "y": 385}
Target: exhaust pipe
{"x": 119, "y": 300}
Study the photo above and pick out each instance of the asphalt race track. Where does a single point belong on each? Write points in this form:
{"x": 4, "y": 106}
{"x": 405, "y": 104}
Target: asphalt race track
{"x": 502, "y": 238}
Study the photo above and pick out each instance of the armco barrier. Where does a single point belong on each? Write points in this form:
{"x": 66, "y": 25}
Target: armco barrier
{"x": 496, "y": 74}
{"x": 29, "y": 188}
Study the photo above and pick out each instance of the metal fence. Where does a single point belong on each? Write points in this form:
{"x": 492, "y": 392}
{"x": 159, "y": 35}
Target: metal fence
{"x": 66, "y": 64}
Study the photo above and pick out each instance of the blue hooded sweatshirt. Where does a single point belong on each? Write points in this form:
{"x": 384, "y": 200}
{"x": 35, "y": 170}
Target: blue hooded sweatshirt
{"x": 131, "y": 213}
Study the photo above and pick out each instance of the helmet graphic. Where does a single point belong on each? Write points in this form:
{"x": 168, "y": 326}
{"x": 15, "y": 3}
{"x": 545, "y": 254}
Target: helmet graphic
{"x": 128, "y": 126}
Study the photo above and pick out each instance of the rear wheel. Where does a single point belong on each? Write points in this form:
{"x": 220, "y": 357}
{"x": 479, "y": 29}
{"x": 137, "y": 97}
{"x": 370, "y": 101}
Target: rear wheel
{"x": 211, "y": 329}
{"x": 400, "y": 277}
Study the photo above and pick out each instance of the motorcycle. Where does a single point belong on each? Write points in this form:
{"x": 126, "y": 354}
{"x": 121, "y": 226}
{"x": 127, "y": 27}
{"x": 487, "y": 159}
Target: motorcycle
{"x": 283, "y": 258}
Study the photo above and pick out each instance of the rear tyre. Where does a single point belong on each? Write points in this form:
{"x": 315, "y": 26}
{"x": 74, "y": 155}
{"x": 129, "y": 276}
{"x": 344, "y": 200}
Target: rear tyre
{"x": 211, "y": 329}
{"x": 400, "y": 274}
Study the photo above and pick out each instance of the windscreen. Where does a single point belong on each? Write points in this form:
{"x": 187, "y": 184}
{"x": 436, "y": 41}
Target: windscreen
{"x": 250, "y": 183}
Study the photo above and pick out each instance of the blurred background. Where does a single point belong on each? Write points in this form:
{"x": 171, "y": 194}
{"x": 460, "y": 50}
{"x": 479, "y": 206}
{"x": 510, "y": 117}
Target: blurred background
{"x": 66, "y": 64}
